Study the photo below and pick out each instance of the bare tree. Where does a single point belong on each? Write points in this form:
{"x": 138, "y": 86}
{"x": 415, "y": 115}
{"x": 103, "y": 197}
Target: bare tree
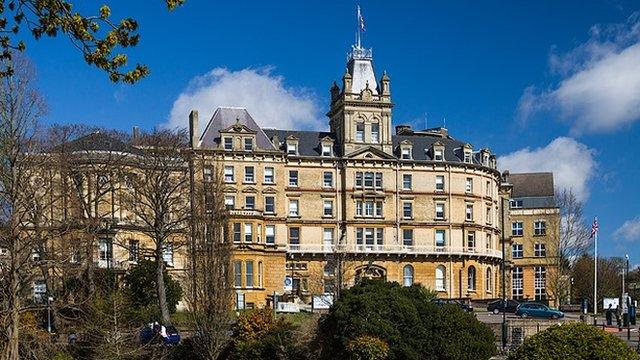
{"x": 88, "y": 163}
{"x": 157, "y": 198}
{"x": 21, "y": 199}
{"x": 211, "y": 295}
{"x": 570, "y": 239}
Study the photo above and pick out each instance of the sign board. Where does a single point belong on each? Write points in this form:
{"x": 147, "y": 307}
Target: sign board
{"x": 322, "y": 302}
{"x": 239, "y": 301}
{"x": 614, "y": 302}
{"x": 288, "y": 283}
{"x": 287, "y": 307}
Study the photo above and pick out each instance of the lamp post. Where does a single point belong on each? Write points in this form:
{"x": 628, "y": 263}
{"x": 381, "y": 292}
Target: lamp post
{"x": 571, "y": 291}
{"x": 49, "y": 301}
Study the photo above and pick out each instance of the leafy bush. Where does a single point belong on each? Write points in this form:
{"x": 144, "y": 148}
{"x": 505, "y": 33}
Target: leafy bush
{"x": 141, "y": 284}
{"x": 258, "y": 335}
{"x": 367, "y": 348}
{"x": 406, "y": 320}
{"x": 575, "y": 341}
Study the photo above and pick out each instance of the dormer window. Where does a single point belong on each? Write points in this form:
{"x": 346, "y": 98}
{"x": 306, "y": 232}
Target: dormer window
{"x": 375, "y": 132}
{"x": 437, "y": 151}
{"x": 228, "y": 143}
{"x": 360, "y": 132}
{"x": 248, "y": 144}
{"x": 406, "y": 153}
{"x": 467, "y": 156}
{"x": 326, "y": 149}
{"x": 292, "y": 148}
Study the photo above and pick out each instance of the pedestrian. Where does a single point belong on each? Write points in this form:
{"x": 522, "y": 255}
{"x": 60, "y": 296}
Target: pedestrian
{"x": 609, "y": 315}
{"x": 618, "y": 316}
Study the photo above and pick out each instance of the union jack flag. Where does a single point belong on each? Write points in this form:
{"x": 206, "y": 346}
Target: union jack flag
{"x": 594, "y": 227}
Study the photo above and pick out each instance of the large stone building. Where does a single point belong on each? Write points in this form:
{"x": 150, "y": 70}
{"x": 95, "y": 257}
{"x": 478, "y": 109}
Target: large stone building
{"x": 364, "y": 199}
{"x": 534, "y": 231}
{"x": 361, "y": 200}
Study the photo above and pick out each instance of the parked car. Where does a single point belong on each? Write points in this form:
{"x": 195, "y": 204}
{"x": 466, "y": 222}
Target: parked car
{"x": 458, "y": 303}
{"x": 497, "y": 306}
{"x": 533, "y": 309}
{"x": 152, "y": 334}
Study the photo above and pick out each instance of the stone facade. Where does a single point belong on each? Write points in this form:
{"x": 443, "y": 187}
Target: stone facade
{"x": 361, "y": 200}
{"x": 534, "y": 230}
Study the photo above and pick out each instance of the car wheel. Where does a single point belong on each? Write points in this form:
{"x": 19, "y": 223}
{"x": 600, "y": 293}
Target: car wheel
{"x": 523, "y": 315}
{"x": 554, "y": 317}
{"x": 496, "y": 311}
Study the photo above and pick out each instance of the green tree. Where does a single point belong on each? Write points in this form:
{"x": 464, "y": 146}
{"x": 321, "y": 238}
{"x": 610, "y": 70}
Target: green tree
{"x": 98, "y": 37}
{"x": 141, "y": 284}
{"x": 406, "y": 320}
{"x": 575, "y": 341}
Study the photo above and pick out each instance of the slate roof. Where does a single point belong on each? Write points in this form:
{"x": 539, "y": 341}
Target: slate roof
{"x": 308, "y": 141}
{"x": 422, "y": 147}
{"x": 225, "y": 117}
{"x": 97, "y": 141}
{"x": 532, "y": 185}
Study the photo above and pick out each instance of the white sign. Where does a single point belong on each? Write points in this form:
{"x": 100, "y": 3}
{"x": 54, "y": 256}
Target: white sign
{"x": 322, "y": 302}
{"x": 288, "y": 307}
{"x": 614, "y": 302}
{"x": 288, "y": 283}
{"x": 239, "y": 301}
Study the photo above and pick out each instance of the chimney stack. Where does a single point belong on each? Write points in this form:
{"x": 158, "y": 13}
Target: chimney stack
{"x": 403, "y": 129}
{"x": 193, "y": 128}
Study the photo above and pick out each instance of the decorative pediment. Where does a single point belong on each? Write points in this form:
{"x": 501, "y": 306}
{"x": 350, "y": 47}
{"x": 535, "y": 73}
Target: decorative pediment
{"x": 366, "y": 94}
{"x": 327, "y": 139}
{"x": 369, "y": 152}
{"x": 249, "y": 190}
{"x": 229, "y": 189}
{"x": 292, "y": 137}
{"x": 238, "y": 128}
{"x": 406, "y": 142}
{"x": 269, "y": 190}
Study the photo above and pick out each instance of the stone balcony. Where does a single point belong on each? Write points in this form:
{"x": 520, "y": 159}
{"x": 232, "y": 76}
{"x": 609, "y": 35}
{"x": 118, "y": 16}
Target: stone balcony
{"x": 393, "y": 249}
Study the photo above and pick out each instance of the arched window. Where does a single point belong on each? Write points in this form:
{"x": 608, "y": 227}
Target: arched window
{"x": 407, "y": 279}
{"x": 489, "y": 280}
{"x": 471, "y": 278}
{"x": 440, "y": 278}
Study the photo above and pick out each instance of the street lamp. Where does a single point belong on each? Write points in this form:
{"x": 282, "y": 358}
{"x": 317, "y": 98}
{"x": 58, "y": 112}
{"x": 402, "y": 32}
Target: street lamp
{"x": 49, "y": 301}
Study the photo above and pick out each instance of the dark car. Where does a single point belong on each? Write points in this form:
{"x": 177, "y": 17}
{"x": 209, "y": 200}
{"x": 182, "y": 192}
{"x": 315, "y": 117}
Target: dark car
{"x": 151, "y": 334}
{"x": 497, "y": 306}
{"x": 533, "y": 309}
{"x": 458, "y": 303}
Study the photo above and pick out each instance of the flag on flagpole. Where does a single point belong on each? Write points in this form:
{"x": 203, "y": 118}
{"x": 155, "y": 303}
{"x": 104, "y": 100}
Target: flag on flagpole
{"x": 594, "y": 227}
{"x": 360, "y": 20}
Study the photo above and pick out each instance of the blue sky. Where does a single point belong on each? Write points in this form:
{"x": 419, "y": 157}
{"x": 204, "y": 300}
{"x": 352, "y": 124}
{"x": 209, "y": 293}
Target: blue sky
{"x": 548, "y": 85}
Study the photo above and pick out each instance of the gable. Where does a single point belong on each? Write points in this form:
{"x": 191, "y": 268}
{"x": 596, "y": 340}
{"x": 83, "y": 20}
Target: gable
{"x": 370, "y": 153}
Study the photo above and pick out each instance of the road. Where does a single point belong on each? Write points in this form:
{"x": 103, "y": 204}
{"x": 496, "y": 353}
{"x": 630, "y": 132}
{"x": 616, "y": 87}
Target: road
{"x": 490, "y": 318}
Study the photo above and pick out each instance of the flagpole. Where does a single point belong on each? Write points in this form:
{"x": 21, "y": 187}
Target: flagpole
{"x": 595, "y": 276}
{"x": 358, "y": 23}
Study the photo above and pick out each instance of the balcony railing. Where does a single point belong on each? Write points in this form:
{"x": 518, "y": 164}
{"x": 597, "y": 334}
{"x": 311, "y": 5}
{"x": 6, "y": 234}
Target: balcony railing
{"x": 394, "y": 249}
{"x": 242, "y": 212}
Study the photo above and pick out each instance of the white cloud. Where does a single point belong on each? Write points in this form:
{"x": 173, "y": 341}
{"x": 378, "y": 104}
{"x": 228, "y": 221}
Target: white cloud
{"x": 264, "y": 94}
{"x": 599, "y": 86}
{"x": 629, "y": 231}
{"x": 573, "y": 164}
